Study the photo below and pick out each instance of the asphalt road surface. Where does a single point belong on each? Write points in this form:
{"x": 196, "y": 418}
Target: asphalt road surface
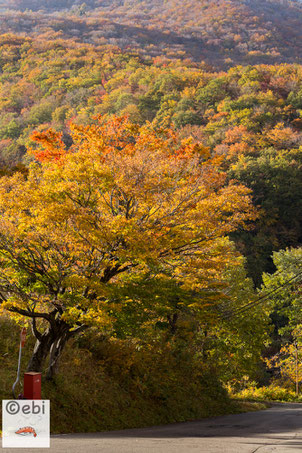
{"x": 277, "y": 429}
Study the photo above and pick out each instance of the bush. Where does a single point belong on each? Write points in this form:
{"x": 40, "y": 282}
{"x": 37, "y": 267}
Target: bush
{"x": 271, "y": 393}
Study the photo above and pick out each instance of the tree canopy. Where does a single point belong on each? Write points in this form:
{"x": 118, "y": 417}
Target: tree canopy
{"x": 122, "y": 202}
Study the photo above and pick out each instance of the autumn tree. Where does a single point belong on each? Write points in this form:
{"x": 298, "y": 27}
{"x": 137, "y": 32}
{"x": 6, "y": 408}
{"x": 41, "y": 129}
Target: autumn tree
{"x": 288, "y": 362}
{"x": 121, "y": 202}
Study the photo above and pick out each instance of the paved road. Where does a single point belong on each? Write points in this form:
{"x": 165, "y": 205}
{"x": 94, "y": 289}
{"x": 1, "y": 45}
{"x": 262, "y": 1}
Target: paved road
{"x": 277, "y": 430}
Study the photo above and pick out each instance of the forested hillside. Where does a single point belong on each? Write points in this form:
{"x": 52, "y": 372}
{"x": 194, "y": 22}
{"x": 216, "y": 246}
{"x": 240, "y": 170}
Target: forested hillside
{"x": 221, "y": 33}
{"x": 251, "y": 116}
{"x": 150, "y": 187}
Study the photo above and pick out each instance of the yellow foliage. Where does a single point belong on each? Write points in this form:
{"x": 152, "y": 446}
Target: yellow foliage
{"x": 122, "y": 201}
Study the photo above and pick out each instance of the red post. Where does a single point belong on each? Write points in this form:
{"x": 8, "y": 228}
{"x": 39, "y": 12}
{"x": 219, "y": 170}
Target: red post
{"x": 32, "y": 386}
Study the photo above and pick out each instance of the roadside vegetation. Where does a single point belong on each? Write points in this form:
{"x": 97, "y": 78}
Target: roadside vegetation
{"x": 272, "y": 392}
{"x": 106, "y": 385}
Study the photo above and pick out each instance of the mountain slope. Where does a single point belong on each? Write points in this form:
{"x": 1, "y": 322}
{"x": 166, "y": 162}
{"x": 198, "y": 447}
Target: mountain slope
{"x": 220, "y": 32}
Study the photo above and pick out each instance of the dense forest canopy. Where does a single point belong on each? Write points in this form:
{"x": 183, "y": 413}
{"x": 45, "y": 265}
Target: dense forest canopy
{"x": 250, "y": 115}
{"x": 221, "y": 33}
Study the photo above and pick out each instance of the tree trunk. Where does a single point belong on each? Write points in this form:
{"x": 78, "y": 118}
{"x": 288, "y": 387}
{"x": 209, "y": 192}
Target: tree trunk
{"x": 51, "y": 343}
{"x": 41, "y": 351}
{"x": 172, "y": 320}
{"x": 55, "y": 354}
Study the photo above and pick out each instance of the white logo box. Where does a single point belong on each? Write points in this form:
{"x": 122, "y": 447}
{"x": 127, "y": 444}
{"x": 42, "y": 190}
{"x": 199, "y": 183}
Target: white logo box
{"x": 25, "y": 424}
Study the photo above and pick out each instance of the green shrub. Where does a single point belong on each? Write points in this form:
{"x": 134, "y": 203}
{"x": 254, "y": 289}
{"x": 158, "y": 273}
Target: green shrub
{"x": 271, "y": 393}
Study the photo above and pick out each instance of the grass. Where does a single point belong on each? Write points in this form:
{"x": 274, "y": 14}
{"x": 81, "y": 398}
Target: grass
{"x": 251, "y": 406}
